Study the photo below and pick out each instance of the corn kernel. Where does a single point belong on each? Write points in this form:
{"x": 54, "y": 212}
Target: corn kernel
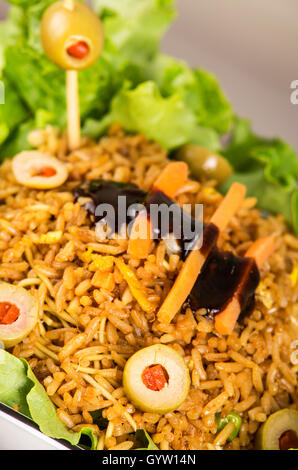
{"x": 51, "y": 237}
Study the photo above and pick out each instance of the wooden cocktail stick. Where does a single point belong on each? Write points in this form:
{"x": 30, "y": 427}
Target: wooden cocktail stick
{"x": 73, "y": 102}
{"x": 73, "y": 109}
{"x": 73, "y": 25}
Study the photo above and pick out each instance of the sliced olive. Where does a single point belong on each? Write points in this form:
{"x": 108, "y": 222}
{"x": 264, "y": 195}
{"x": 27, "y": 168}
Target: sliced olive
{"x": 279, "y": 432}
{"x": 156, "y": 379}
{"x": 18, "y": 313}
{"x": 222, "y": 422}
{"x": 72, "y": 37}
{"x": 205, "y": 163}
{"x": 37, "y": 170}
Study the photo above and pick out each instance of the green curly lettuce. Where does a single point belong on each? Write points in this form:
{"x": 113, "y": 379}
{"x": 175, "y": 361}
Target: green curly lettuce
{"x": 268, "y": 168}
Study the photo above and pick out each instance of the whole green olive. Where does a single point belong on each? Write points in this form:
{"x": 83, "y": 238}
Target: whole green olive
{"x": 279, "y": 432}
{"x": 72, "y": 36}
{"x": 204, "y": 163}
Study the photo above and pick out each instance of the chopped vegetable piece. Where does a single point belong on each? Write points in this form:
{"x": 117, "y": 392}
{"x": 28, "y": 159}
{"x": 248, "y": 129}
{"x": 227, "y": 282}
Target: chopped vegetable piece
{"x": 46, "y": 172}
{"x": 171, "y": 179}
{"x": 37, "y": 170}
{"x": 182, "y": 286}
{"x": 79, "y": 50}
{"x": 279, "y": 432}
{"x": 229, "y": 206}
{"x": 288, "y": 439}
{"x": 222, "y": 422}
{"x": 205, "y": 163}
{"x": 259, "y": 251}
{"x": 72, "y": 38}
{"x": 196, "y": 259}
{"x": 135, "y": 286}
{"x": 8, "y": 313}
{"x": 294, "y": 274}
{"x": 143, "y": 437}
{"x": 18, "y": 313}
{"x": 51, "y": 238}
{"x": 156, "y": 379}
{"x": 140, "y": 237}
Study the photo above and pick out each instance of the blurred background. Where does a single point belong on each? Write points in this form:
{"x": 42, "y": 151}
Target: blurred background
{"x": 252, "y": 47}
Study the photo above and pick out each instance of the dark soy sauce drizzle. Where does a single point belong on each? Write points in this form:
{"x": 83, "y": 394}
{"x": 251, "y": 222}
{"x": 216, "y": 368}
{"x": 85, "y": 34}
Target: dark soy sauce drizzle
{"x": 222, "y": 272}
{"x": 178, "y": 222}
{"x": 221, "y": 275}
{"x": 108, "y": 192}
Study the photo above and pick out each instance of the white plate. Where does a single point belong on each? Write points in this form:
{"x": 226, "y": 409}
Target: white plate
{"x": 17, "y": 432}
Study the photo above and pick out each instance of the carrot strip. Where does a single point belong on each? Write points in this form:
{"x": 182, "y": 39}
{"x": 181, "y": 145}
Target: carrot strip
{"x": 170, "y": 180}
{"x": 182, "y": 286}
{"x": 196, "y": 259}
{"x": 140, "y": 238}
{"x": 229, "y": 206}
{"x": 135, "y": 286}
{"x": 260, "y": 250}
{"x": 225, "y": 321}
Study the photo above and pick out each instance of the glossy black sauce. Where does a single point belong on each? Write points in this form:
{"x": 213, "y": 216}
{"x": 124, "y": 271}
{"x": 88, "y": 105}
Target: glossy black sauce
{"x": 222, "y": 272}
{"x": 108, "y": 192}
{"x": 221, "y": 276}
{"x": 210, "y": 236}
{"x": 185, "y": 228}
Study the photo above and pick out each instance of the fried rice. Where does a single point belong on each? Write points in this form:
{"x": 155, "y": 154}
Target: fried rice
{"x": 90, "y": 323}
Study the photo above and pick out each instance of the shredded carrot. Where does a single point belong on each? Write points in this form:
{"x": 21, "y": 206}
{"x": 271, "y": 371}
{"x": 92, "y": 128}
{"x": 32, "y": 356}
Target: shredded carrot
{"x": 261, "y": 249}
{"x": 229, "y": 206}
{"x": 170, "y": 180}
{"x": 134, "y": 285}
{"x": 140, "y": 238}
{"x": 225, "y": 321}
{"x": 196, "y": 259}
{"x": 182, "y": 286}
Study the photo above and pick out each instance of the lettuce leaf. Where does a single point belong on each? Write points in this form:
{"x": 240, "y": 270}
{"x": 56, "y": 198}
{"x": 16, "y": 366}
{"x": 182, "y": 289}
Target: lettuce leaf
{"x": 135, "y": 28}
{"x": 19, "y": 387}
{"x": 269, "y": 170}
{"x": 200, "y": 91}
{"x": 167, "y": 120}
{"x": 143, "y": 437}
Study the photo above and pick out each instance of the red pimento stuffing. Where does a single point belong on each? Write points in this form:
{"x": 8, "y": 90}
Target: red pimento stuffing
{"x": 154, "y": 377}
{"x": 79, "y": 50}
{"x": 8, "y": 313}
{"x": 46, "y": 172}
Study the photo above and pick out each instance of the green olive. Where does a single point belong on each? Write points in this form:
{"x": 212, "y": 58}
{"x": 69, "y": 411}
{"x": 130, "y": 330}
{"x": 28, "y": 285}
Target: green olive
{"x": 156, "y": 379}
{"x": 38, "y": 170}
{"x": 279, "y": 432}
{"x": 72, "y": 38}
{"x": 18, "y": 313}
{"x": 205, "y": 163}
{"x": 222, "y": 422}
